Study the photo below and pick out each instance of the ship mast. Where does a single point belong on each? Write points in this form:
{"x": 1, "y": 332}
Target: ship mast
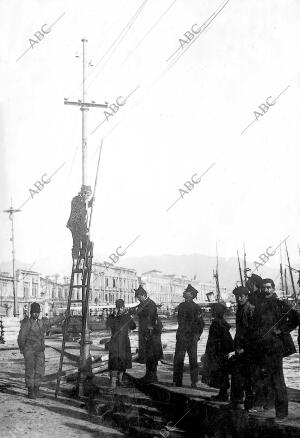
{"x": 245, "y": 265}
{"x": 285, "y": 283}
{"x": 291, "y": 274}
{"x": 281, "y": 273}
{"x": 240, "y": 269}
{"x": 216, "y": 276}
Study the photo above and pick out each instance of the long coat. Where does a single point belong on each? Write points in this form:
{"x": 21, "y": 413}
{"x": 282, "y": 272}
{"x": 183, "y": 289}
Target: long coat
{"x": 150, "y": 327}
{"x": 246, "y": 328}
{"x": 32, "y": 335}
{"x": 219, "y": 345}
{"x": 78, "y": 215}
{"x": 119, "y": 346}
{"x": 190, "y": 321}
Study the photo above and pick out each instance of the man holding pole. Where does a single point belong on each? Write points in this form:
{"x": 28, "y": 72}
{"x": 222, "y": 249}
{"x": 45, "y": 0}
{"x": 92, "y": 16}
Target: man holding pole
{"x": 150, "y": 348}
{"x": 78, "y": 221}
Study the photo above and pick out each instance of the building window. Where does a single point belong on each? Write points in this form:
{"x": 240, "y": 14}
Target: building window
{"x": 34, "y": 290}
{"x": 53, "y": 292}
{"x": 106, "y": 282}
{"x": 3, "y": 286}
{"x": 26, "y": 289}
{"x": 114, "y": 282}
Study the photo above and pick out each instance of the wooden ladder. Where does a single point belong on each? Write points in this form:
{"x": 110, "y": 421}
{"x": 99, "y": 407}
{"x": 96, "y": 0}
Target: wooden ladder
{"x": 85, "y": 272}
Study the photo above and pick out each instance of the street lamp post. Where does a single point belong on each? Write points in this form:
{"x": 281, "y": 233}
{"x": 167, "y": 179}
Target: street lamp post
{"x": 11, "y": 212}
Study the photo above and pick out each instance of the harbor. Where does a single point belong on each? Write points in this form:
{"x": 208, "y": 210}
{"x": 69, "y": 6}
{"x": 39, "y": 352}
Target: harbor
{"x": 157, "y": 410}
{"x": 150, "y": 255}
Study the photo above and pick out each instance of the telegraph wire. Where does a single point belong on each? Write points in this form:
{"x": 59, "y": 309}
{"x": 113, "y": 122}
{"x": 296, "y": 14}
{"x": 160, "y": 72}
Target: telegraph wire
{"x": 206, "y": 27}
{"x": 149, "y": 31}
{"x": 115, "y": 44}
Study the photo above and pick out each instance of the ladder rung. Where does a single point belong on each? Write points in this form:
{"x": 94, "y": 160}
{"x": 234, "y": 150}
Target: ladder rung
{"x": 77, "y": 286}
{"x": 76, "y": 301}
{"x": 77, "y": 271}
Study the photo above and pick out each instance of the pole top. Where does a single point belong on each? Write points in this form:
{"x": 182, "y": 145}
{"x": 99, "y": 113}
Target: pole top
{"x": 84, "y": 40}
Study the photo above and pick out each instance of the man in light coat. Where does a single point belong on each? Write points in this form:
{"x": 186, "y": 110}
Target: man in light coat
{"x": 32, "y": 346}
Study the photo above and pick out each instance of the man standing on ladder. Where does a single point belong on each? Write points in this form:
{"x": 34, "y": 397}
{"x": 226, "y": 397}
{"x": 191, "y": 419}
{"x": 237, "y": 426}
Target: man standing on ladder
{"x": 78, "y": 221}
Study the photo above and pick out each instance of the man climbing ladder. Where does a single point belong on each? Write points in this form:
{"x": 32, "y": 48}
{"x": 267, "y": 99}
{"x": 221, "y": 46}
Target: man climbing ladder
{"x": 80, "y": 224}
{"x": 78, "y": 221}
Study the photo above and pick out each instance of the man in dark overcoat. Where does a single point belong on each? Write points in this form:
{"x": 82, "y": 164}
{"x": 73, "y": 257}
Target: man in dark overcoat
{"x": 219, "y": 345}
{"x": 120, "y": 323}
{"x": 276, "y": 319}
{"x": 32, "y": 346}
{"x": 190, "y": 328}
{"x": 150, "y": 327}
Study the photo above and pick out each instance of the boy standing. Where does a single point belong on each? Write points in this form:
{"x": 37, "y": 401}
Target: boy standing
{"x": 219, "y": 345}
{"x": 244, "y": 345}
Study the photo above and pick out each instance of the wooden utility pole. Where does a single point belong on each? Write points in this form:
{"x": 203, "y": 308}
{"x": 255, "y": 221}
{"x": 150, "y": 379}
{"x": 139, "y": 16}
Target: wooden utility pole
{"x": 84, "y": 107}
{"x": 11, "y": 212}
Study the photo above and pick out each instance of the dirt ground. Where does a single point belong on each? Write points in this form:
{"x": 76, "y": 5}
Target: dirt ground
{"x": 43, "y": 417}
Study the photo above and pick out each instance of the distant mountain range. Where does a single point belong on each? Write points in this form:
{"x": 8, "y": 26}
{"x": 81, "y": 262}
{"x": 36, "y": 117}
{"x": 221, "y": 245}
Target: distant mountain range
{"x": 191, "y": 265}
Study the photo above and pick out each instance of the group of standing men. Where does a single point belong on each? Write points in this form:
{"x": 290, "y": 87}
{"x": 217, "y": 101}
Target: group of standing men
{"x": 190, "y": 327}
{"x": 262, "y": 339}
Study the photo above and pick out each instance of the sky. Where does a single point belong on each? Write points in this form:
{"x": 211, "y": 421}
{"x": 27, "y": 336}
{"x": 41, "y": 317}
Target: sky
{"x": 183, "y": 118}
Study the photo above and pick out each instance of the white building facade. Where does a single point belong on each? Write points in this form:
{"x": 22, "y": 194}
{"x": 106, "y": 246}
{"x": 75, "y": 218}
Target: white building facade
{"x": 167, "y": 290}
{"x": 116, "y": 282}
{"x": 32, "y": 287}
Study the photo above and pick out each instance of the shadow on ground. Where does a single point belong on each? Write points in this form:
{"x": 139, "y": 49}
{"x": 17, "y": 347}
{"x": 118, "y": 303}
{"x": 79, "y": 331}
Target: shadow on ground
{"x": 93, "y": 432}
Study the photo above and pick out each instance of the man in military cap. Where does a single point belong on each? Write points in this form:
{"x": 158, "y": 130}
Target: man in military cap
{"x": 77, "y": 222}
{"x": 32, "y": 346}
{"x": 190, "y": 328}
{"x": 150, "y": 327}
